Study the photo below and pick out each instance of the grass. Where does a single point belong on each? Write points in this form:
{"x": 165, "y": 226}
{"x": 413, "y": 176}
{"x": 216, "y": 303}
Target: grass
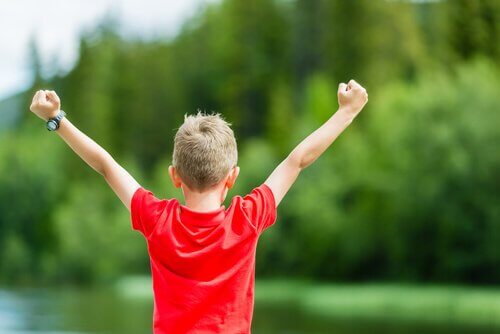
{"x": 460, "y": 306}
{"x": 463, "y": 306}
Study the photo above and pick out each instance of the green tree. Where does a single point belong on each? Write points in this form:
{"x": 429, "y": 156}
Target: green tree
{"x": 474, "y": 28}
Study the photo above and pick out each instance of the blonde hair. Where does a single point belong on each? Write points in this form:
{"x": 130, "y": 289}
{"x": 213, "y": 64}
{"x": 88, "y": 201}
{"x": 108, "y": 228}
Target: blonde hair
{"x": 204, "y": 150}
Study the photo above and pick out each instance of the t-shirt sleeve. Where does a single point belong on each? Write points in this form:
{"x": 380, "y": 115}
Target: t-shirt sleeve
{"x": 260, "y": 206}
{"x": 145, "y": 209}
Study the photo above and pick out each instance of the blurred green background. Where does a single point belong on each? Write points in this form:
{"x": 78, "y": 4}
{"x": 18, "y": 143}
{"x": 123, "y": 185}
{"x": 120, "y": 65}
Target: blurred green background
{"x": 395, "y": 229}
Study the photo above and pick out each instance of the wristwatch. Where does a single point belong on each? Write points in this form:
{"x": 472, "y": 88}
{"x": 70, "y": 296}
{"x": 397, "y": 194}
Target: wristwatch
{"x": 53, "y": 123}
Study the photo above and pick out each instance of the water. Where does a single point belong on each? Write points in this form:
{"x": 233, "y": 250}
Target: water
{"x": 72, "y": 311}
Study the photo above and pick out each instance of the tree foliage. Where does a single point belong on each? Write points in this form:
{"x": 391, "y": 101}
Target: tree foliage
{"x": 408, "y": 193}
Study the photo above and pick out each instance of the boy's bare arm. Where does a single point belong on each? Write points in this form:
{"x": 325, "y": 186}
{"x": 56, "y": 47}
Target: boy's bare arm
{"x": 352, "y": 98}
{"x": 46, "y": 105}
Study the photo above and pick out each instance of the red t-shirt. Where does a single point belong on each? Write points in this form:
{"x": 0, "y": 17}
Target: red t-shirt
{"x": 203, "y": 263}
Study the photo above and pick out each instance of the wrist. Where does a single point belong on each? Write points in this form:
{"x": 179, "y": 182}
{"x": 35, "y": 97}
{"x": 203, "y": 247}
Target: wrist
{"x": 50, "y": 115}
{"x": 53, "y": 123}
{"x": 347, "y": 114}
{"x": 62, "y": 123}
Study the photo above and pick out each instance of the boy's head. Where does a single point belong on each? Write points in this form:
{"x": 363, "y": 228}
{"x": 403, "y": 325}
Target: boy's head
{"x": 205, "y": 151}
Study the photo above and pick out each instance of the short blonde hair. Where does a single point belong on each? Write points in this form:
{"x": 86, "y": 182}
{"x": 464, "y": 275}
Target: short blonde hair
{"x": 204, "y": 150}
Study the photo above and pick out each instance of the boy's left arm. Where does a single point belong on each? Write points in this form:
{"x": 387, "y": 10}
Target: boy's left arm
{"x": 352, "y": 98}
{"x": 45, "y": 105}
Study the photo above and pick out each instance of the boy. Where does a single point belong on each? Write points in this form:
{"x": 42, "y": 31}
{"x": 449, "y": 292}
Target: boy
{"x": 202, "y": 254}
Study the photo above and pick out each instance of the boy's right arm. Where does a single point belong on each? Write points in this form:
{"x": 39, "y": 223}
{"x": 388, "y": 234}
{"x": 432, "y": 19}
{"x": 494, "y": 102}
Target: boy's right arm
{"x": 352, "y": 98}
{"x": 45, "y": 105}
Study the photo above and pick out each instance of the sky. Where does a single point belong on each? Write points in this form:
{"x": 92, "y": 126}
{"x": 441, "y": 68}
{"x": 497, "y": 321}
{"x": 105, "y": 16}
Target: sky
{"x": 56, "y": 25}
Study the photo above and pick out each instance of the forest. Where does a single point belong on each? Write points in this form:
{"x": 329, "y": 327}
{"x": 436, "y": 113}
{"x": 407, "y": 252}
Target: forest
{"x": 409, "y": 193}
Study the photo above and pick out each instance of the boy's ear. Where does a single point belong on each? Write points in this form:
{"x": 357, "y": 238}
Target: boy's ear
{"x": 233, "y": 175}
{"x": 174, "y": 176}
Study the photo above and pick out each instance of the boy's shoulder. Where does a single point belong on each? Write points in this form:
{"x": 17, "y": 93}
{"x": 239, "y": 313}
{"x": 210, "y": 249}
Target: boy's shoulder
{"x": 146, "y": 209}
{"x": 260, "y": 207}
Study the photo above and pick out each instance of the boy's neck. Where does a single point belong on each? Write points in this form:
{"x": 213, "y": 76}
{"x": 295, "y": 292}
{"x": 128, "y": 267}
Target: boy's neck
{"x": 203, "y": 202}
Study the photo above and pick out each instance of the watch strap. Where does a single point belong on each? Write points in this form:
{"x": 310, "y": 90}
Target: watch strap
{"x": 56, "y": 120}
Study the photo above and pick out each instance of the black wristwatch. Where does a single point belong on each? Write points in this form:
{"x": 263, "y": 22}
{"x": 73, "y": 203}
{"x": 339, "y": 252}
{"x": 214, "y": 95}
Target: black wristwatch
{"x": 53, "y": 123}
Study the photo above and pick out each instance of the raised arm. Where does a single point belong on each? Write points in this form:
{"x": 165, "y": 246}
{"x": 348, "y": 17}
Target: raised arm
{"x": 352, "y": 98}
{"x": 46, "y": 104}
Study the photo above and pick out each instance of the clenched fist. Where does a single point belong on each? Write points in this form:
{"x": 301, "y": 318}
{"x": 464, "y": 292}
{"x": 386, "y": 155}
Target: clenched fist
{"x": 352, "y": 97}
{"x": 45, "y": 104}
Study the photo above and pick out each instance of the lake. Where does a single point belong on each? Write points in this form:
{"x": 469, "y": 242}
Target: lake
{"x": 99, "y": 310}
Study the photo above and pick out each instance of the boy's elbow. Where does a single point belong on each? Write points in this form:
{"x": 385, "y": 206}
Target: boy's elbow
{"x": 302, "y": 160}
{"x": 105, "y": 164}
{"x": 297, "y": 160}
{"x": 101, "y": 170}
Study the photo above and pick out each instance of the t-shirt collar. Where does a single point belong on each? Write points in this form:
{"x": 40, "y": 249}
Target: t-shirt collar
{"x": 201, "y": 218}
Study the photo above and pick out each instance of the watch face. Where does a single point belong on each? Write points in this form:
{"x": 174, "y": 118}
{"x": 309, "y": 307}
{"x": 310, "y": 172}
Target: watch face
{"x": 51, "y": 125}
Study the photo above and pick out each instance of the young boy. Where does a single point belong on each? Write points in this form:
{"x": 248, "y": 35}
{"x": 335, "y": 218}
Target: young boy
{"x": 202, "y": 254}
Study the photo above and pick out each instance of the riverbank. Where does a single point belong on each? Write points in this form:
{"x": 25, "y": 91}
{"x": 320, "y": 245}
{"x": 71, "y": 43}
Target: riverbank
{"x": 434, "y": 305}
{"x": 459, "y": 306}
